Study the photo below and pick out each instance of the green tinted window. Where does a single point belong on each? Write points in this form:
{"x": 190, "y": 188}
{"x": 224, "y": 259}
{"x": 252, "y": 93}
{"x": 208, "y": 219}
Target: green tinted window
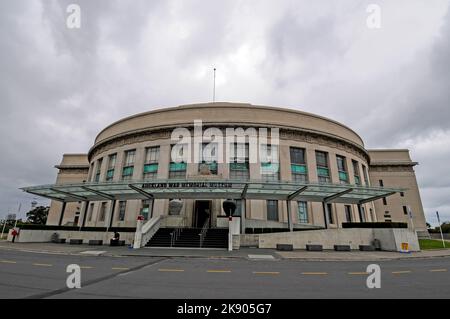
{"x": 343, "y": 176}
{"x": 177, "y": 167}
{"x": 239, "y": 166}
{"x": 298, "y": 169}
{"x": 151, "y": 168}
{"x": 128, "y": 171}
{"x": 322, "y": 171}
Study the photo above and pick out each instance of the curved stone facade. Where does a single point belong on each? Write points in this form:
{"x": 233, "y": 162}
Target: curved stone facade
{"x": 121, "y": 151}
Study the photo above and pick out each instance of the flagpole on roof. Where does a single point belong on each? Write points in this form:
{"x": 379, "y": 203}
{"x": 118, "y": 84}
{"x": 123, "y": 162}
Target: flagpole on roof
{"x": 214, "y": 86}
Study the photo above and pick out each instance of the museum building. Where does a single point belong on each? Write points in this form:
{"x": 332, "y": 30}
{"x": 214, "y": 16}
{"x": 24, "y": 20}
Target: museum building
{"x": 324, "y": 176}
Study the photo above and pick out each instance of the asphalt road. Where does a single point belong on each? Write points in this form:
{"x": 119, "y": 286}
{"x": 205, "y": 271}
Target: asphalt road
{"x": 38, "y": 275}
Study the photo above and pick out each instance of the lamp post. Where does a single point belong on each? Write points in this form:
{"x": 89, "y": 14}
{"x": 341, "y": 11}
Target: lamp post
{"x": 229, "y": 206}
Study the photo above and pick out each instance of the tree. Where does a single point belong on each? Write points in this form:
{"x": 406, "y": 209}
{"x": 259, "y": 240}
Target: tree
{"x": 38, "y": 215}
{"x": 428, "y": 225}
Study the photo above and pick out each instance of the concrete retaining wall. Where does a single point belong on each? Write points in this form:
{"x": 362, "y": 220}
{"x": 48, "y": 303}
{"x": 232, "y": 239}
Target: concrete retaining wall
{"x": 43, "y": 236}
{"x": 390, "y": 239}
{"x": 249, "y": 240}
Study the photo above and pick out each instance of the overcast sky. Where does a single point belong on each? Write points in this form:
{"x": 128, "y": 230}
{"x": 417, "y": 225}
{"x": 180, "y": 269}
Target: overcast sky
{"x": 59, "y": 87}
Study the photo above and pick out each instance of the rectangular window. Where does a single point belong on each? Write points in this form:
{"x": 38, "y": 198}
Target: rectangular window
{"x": 129, "y": 157}
{"x": 348, "y": 213}
{"x": 405, "y": 210}
{"x": 91, "y": 172}
{"x": 239, "y": 163}
{"x": 177, "y": 167}
{"x": 330, "y": 213}
{"x": 382, "y": 185}
{"x": 323, "y": 172}
{"x": 342, "y": 169}
{"x": 366, "y": 177}
{"x": 356, "y": 172}
{"x": 101, "y": 217}
{"x": 147, "y": 206}
{"x": 362, "y": 214}
{"x": 99, "y": 169}
{"x": 272, "y": 210}
{"x": 302, "y": 212}
{"x": 91, "y": 211}
{"x": 151, "y": 162}
{"x": 208, "y": 158}
{"x": 111, "y": 165}
{"x": 299, "y": 170}
{"x": 122, "y": 209}
{"x": 372, "y": 216}
{"x": 177, "y": 170}
{"x": 238, "y": 210}
{"x": 270, "y": 168}
{"x": 128, "y": 166}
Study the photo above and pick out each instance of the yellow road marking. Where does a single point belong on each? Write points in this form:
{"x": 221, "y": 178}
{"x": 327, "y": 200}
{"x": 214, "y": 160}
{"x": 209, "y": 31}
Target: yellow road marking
{"x": 170, "y": 270}
{"x": 86, "y": 267}
{"x": 401, "y": 272}
{"x": 219, "y": 271}
{"x": 358, "y": 273}
{"x": 8, "y": 261}
{"x": 438, "y": 270}
{"x": 315, "y": 273}
{"x": 119, "y": 268}
{"x": 266, "y": 272}
{"x": 42, "y": 265}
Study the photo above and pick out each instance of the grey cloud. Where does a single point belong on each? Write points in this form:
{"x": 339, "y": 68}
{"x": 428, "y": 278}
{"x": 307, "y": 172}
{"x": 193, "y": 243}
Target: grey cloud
{"x": 60, "y": 87}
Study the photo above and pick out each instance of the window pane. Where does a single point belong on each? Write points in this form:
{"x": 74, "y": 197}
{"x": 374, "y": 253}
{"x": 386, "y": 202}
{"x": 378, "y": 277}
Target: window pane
{"x": 321, "y": 171}
{"x": 348, "y": 213}
{"x": 112, "y": 161}
{"x": 302, "y": 212}
{"x": 209, "y": 152}
{"x": 110, "y": 174}
{"x": 343, "y": 176}
{"x": 150, "y": 168}
{"x": 272, "y": 210}
{"x": 341, "y": 163}
{"x": 128, "y": 171}
{"x": 366, "y": 178}
{"x": 321, "y": 159}
{"x": 298, "y": 169}
{"x": 129, "y": 157}
{"x": 152, "y": 155}
{"x": 122, "y": 209}
{"x": 297, "y": 155}
{"x": 174, "y": 167}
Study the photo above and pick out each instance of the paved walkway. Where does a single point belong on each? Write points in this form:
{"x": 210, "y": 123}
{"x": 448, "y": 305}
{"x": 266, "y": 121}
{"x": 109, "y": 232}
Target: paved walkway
{"x": 246, "y": 253}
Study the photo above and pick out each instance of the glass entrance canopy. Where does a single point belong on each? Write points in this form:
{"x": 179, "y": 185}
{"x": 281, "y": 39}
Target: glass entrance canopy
{"x": 211, "y": 189}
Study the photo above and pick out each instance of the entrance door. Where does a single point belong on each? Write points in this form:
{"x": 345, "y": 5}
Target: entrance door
{"x": 202, "y": 211}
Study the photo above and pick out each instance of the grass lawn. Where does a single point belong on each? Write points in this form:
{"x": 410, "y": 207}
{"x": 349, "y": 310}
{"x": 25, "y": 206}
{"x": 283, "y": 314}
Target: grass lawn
{"x": 432, "y": 244}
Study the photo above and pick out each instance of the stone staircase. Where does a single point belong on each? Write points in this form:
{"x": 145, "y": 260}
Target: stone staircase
{"x": 189, "y": 238}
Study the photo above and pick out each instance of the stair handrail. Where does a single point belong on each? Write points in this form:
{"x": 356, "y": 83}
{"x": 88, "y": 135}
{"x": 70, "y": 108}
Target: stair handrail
{"x": 147, "y": 231}
{"x": 203, "y": 232}
{"x": 174, "y": 235}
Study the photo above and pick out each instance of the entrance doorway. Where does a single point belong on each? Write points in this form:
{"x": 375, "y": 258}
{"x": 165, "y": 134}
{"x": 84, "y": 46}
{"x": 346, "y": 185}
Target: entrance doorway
{"x": 202, "y": 210}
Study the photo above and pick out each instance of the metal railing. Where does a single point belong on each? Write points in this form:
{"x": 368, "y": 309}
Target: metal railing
{"x": 174, "y": 235}
{"x": 203, "y": 232}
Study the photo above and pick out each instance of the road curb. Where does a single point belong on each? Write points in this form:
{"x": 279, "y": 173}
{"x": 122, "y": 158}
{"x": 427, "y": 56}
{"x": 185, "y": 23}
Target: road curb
{"x": 277, "y": 257}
